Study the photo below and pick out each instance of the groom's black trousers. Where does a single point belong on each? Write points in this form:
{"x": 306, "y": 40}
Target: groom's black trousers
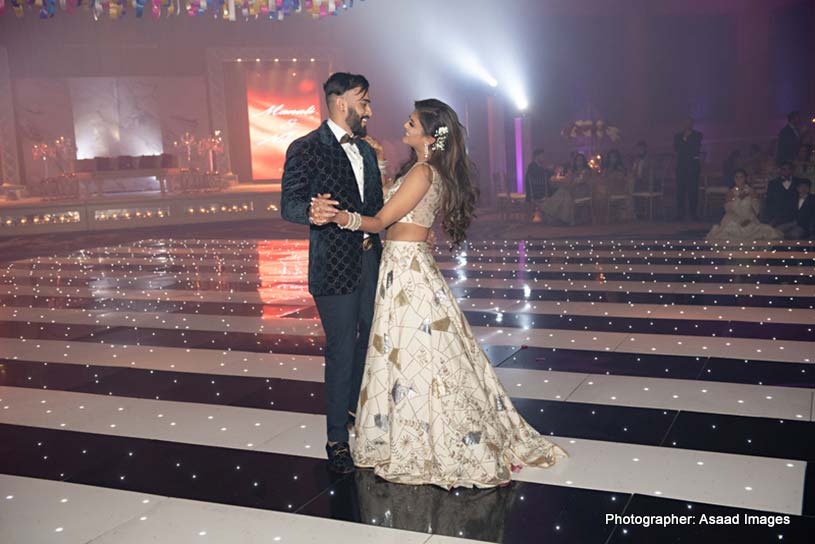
{"x": 347, "y": 323}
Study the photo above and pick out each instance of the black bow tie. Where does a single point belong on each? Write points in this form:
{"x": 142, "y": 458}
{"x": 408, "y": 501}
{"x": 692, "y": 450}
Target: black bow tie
{"x": 348, "y": 139}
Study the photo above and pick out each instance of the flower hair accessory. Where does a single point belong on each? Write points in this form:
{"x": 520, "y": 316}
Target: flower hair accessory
{"x": 441, "y": 138}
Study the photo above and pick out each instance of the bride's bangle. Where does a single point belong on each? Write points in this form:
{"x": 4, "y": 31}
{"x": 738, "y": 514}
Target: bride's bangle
{"x": 354, "y": 221}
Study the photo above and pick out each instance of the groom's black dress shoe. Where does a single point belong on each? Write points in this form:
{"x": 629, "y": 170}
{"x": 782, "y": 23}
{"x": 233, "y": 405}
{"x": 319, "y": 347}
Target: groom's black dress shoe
{"x": 339, "y": 458}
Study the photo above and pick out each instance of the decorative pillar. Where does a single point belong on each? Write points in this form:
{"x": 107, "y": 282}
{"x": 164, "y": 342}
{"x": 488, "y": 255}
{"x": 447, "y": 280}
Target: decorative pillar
{"x": 518, "y": 186}
{"x": 497, "y": 144}
{"x": 9, "y": 165}
{"x": 217, "y": 105}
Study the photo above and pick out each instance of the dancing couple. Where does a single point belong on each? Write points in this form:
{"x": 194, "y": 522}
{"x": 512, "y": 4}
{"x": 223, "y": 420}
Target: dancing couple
{"x": 402, "y": 366}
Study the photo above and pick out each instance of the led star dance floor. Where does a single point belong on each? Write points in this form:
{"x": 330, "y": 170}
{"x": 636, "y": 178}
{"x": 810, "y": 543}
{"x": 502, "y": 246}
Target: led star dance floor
{"x": 170, "y": 390}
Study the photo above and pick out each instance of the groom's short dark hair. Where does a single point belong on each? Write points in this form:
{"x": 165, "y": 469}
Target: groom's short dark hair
{"x": 342, "y": 82}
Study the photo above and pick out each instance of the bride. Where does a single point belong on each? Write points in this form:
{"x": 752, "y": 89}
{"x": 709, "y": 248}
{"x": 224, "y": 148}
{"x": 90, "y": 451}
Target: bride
{"x": 740, "y": 221}
{"x": 431, "y": 409}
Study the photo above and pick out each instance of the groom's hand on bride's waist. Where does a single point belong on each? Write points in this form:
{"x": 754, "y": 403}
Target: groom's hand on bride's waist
{"x": 322, "y": 209}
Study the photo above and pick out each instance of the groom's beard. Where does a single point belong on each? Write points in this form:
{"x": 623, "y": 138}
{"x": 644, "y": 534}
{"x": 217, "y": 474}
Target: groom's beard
{"x": 354, "y": 122}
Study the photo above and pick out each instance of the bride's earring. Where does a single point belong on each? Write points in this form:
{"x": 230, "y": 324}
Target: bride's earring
{"x": 426, "y": 151}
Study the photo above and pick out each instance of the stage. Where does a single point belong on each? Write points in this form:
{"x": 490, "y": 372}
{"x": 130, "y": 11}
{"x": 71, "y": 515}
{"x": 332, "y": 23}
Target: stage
{"x": 28, "y": 216}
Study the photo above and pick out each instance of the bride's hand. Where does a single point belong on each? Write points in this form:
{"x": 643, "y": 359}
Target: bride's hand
{"x": 376, "y": 146}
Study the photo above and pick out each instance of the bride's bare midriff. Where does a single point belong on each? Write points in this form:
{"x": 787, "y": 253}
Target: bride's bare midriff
{"x": 407, "y": 232}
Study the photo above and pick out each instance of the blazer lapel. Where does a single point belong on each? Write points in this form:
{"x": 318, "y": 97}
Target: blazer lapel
{"x": 346, "y": 173}
{"x": 370, "y": 172}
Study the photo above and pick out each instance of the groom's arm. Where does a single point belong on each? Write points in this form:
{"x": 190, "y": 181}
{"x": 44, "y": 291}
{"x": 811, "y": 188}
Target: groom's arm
{"x": 296, "y": 196}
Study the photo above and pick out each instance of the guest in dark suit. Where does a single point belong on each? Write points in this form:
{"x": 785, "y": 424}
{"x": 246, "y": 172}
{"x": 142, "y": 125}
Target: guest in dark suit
{"x": 789, "y": 140}
{"x": 339, "y": 160}
{"x": 806, "y": 209}
{"x": 536, "y": 181}
{"x": 780, "y": 209}
{"x": 688, "y": 148}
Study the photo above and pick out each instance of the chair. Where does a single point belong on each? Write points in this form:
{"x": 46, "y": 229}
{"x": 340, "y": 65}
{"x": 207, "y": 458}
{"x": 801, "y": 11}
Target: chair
{"x": 714, "y": 191}
{"x": 518, "y": 208}
{"x": 651, "y": 197}
{"x": 584, "y": 203}
{"x": 502, "y": 198}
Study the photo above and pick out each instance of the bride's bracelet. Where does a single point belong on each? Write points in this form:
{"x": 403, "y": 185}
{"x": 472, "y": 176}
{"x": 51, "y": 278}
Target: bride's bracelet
{"x": 354, "y": 221}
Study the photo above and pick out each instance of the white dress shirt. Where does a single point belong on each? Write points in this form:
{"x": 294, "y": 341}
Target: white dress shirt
{"x": 801, "y": 200}
{"x": 354, "y": 156}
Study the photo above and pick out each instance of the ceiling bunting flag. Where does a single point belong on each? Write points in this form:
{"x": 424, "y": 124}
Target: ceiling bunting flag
{"x": 226, "y": 9}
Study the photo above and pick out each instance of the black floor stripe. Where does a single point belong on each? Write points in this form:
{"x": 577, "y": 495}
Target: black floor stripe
{"x": 475, "y": 259}
{"x": 647, "y": 277}
{"x": 67, "y": 301}
{"x": 614, "y": 244}
{"x": 232, "y": 259}
{"x": 533, "y": 295}
{"x": 647, "y": 426}
{"x": 187, "y": 280}
{"x": 649, "y": 325}
{"x": 746, "y": 371}
{"x": 752, "y": 371}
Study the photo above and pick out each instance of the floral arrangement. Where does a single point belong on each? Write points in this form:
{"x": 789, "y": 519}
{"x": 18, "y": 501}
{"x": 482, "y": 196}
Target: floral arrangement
{"x": 592, "y": 130}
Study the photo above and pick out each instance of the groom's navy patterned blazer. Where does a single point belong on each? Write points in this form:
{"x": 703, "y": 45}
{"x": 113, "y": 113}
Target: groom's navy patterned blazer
{"x": 317, "y": 164}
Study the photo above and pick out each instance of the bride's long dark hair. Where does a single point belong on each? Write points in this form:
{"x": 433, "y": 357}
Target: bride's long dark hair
{"x": 456, "y": 169}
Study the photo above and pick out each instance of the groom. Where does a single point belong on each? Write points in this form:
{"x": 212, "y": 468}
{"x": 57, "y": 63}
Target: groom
{"x": 335, "y": 161}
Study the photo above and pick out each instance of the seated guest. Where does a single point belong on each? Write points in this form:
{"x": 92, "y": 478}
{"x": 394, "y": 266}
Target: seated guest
{"x": 536, "y": 181}
{"x": 806, "y": 210}
{"x": 740, "y": 222}
{"x": 578, "y": 183}
{"x": 782, "y": 196}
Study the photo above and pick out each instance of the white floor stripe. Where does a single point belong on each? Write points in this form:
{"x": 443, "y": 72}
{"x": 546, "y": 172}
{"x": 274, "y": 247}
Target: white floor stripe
{"x": 510, "y": 251}
{"x": 717, "y": 478}
{"x": 692, "y": 268}
{"x": 600, "y": 242}
{"x": 733, "y": 348}
{"x": 224, "y": 283}
{"x": 610, "y": 309}
{"x": 664, "y": 392}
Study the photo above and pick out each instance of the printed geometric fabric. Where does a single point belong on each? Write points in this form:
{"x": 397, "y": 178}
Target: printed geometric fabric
{"x": 431, "y": 409}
